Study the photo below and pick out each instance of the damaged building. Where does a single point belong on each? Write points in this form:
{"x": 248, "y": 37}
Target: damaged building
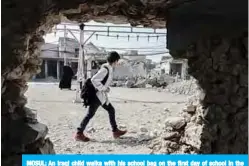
{"x": 54, "y": 56}
{"x": 132, "y": 65}
{"x": 173, "y": 67}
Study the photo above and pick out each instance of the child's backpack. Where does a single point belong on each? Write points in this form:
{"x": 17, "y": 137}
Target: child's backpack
{"x": 88, "y": 91}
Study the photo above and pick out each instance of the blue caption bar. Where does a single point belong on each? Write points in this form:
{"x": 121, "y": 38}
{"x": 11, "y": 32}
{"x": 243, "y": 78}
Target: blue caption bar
{"x": 135, "y": 160}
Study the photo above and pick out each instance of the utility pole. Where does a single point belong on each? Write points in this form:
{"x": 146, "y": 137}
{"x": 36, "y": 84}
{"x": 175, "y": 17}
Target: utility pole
{"x": 82, "y": 70}
{"x": 64, "y": 41}
{"x": 82, "y": 54}
{"x": 81, "y": 59}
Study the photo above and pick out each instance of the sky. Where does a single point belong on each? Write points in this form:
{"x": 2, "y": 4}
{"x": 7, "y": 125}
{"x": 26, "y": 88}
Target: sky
{"x": 120, "y": 44}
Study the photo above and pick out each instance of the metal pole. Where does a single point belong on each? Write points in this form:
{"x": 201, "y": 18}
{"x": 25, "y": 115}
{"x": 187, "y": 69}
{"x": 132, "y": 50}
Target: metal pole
{"x": 82, "y": 61}
{"x": 83, "y": 52}
{"x": 80, "y": 72}
{"x": 64, "y": 53}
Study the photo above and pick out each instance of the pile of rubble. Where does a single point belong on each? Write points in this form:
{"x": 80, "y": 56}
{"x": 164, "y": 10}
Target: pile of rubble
{"x": 181, "y": 134}
{"x": 117, "y": 83}
{"x": 131, "y": 83}
{"x": 161, "y": 81}
{"x": 187, "y": 87}
{"x": 139, "y": 82}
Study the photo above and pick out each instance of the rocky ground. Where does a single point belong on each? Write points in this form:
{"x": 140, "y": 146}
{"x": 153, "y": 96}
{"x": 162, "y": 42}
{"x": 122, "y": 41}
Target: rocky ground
{"x": 141, "y": 111}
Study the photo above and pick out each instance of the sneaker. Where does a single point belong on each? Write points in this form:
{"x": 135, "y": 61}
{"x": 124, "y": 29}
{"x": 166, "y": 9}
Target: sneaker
{"x": 119, "y": 133}
{"x": 81, "y": 137}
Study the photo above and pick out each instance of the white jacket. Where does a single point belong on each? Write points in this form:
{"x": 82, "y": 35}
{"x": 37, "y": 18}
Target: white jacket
{"x": 96, "y": 81}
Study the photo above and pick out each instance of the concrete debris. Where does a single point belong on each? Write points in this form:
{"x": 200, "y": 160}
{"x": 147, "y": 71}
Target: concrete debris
{"x": 140, "y": 84}
{"x": 129, "y": 83}
{"x": 192, "y": 131}
{"x": 171, "y": 135}
{"x": 148, "y": 86}
{"x": 118, "y": 84}
{"x": 175, "y": 122}
{"x": 190, "y": 109}
{"x": 187, "y": 87}
{"x": 144, "y": 137}
{"x": 154, "y": 133}
{"x": 160, "y": 81}
{"x": 181, "y": 134}
{"x": 186, "y": 116}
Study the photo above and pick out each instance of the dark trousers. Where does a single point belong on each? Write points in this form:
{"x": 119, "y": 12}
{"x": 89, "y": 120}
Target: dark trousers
{"x": 91, "y": 112}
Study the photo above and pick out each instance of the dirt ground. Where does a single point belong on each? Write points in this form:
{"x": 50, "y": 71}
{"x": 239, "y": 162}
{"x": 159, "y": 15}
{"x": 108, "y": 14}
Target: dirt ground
{"x": 141, "y": 111}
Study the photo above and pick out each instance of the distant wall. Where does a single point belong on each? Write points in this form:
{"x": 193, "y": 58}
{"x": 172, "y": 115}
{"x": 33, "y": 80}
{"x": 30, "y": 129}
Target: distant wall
{"x": 129, "y": 70}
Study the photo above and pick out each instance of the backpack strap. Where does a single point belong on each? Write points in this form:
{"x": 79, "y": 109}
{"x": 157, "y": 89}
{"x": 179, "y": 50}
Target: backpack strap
{"x": 106, "y": 77}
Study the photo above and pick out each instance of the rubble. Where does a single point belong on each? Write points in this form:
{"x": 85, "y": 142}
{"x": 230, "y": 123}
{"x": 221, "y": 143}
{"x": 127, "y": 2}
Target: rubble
{"x": 190, "y": 109}
{"x": 182, "y": 133}
{"x": 138, "y": 82}
{"x": 117, "y": 84}
{"x": 175, "y": 122}
{"x": 186, "y": 87}
{"x": 171, "y": 135}
{"x": 160, "y": 81}
{"x": 129, "y": 83}
{"x": 141, "y": 83}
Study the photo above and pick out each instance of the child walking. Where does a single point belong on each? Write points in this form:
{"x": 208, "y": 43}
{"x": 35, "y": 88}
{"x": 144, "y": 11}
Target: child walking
{"x": 101, "y": 98}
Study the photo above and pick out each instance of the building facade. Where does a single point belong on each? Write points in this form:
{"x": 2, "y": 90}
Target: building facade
{"x": 54, "y": 56}
{"x": 174, "y": 67}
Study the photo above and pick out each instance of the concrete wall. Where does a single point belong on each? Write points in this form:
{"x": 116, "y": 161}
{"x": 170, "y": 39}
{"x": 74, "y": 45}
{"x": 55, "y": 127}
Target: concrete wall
{"x": 165, "y": 66}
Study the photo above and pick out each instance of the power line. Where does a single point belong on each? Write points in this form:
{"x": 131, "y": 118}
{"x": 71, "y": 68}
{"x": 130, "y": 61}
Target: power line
{"x": 122, "y": 36}
{"x": 128, "y": 49}
{"x": 121, "y": 48}
{"x": 148, "y": 54}
{"x": 133, "y": 48}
